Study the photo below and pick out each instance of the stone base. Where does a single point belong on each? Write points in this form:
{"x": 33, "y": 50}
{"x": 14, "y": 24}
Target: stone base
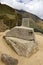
{"x": 22, "y": 47}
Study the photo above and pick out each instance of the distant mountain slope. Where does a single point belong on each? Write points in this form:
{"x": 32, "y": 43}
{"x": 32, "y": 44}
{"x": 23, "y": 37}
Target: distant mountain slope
{"x": 11, "y": 17}
{"x": 6, "y": 9}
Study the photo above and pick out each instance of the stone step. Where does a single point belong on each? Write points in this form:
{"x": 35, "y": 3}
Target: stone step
{"x": 22, "y": 33}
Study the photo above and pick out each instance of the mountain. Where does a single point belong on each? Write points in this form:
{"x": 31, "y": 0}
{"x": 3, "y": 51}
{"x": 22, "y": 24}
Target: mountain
{"x": 9, "y": 15}
{"x": 12, "y": 17}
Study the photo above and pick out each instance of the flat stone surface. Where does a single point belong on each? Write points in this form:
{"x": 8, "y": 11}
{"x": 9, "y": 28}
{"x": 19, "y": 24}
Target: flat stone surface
{"x": 8, "y": 60}
{"x": 22, "y": 47}
{"x": 22, "y": 33}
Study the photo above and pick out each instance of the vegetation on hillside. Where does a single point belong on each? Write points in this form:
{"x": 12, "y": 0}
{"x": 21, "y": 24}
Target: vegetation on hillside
{"x": 12, "y": 17}
{"x": 38, "y": 26}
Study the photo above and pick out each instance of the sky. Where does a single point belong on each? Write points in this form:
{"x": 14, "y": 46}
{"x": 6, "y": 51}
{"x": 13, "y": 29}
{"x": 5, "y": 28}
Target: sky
{"x": 32, "y": 6}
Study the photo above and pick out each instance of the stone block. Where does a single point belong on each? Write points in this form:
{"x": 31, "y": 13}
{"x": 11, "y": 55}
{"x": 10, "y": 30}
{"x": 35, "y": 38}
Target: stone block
{"x": 22, "y": 33}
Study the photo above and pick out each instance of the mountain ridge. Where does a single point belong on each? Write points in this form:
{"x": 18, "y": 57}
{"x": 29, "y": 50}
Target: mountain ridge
{"x": 9, "y": 14}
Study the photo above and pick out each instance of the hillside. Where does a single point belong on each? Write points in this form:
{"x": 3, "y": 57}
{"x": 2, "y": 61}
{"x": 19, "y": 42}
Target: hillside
{"x": 4, "y": 9}
{"x": 12, "y": 17}
{"x": 9, "y": 16}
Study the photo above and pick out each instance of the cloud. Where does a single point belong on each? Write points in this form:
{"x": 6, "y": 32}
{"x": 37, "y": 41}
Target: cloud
{"x": 13, "y": 3}
{"x": 32, "y": 6}
{"x": 35, "y": 7}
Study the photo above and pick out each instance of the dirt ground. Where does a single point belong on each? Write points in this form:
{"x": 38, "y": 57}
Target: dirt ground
{"x": 35, "y": 59}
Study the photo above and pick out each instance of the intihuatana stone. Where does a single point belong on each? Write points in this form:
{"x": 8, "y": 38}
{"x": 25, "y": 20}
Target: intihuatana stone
{"x": 22, "y": 39}
{"x": 8, "y": 60}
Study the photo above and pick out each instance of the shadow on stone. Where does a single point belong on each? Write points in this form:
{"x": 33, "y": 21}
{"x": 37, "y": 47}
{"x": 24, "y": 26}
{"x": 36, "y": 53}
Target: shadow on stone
{"x": 8, "y": 60}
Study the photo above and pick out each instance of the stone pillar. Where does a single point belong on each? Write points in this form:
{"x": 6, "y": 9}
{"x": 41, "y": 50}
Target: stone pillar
{"x": 25, "y": 22}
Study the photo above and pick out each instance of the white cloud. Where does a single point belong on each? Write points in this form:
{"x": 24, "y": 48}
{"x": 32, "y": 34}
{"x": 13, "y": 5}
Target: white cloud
{"x": 32, "y": 6}
{"x": 35, "y": 7}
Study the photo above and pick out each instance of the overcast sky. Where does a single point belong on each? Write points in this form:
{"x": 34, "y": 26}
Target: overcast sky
{"x": 32, "y": 6}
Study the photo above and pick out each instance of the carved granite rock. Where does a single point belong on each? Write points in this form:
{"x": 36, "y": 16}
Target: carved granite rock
{"x": 22, "y": 39}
